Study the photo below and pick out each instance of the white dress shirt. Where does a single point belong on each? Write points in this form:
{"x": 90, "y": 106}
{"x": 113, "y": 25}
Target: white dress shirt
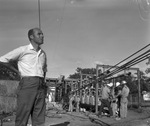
{"x": 30, "y": 62}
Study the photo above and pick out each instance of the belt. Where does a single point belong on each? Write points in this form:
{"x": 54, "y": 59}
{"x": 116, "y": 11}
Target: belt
{"x": 41, "y": 79}
{"x": 32, "y": 77}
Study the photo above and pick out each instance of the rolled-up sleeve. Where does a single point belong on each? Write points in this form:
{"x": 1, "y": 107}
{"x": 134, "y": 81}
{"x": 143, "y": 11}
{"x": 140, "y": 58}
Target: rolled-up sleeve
{"x": 13, "y": 55}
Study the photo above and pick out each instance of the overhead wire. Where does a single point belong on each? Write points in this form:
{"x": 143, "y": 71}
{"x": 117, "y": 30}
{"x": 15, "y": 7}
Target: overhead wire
{"x": 132, "y": 62}
{"x": 127, "y": 67}
{"x": 129, "y": 57}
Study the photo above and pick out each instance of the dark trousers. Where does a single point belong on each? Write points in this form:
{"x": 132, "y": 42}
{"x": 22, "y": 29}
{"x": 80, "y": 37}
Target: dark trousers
{"x": 105, "y": 103}
{"x": 30, "y": 102}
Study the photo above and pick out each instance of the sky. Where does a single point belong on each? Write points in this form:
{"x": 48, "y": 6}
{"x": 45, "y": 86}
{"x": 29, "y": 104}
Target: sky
{"x": 77, "y": 33}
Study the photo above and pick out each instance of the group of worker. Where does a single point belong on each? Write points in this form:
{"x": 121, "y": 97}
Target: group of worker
{"x": 112, "y": 97}
{"x": 115, "y": 98}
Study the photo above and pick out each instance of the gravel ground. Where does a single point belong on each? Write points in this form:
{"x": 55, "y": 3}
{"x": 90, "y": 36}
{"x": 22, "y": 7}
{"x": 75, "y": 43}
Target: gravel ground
{"x": 53, "y": 118}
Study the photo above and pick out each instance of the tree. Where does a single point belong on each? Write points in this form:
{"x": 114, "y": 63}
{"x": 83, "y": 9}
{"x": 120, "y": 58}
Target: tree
{"x": 74, "y": 76}
{"x": 90, "y": 71}
{"x": 133, "y": 83}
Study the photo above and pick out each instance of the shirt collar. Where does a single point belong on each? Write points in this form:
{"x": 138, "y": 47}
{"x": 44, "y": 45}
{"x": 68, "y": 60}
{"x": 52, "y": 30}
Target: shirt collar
{"x": 32, "y": 48}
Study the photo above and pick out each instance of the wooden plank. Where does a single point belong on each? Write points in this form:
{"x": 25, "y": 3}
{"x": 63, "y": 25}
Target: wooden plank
{"x": 104, "y": 121}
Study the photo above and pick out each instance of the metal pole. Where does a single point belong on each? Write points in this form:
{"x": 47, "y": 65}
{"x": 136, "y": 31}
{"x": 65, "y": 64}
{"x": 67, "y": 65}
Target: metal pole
{"x": 39, "y": 12}
{"x": 139, "y": 89}
{"x": 80, "y": 85}
{"x": 96, "y": 91}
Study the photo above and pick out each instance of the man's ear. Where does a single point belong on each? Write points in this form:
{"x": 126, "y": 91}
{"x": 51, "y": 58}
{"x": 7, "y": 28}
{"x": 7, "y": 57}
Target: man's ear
{"x": 31, "y": 37}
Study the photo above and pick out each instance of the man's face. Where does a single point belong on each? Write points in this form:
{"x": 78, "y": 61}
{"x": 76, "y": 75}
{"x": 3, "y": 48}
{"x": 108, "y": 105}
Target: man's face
{"x": 38, "y": 37}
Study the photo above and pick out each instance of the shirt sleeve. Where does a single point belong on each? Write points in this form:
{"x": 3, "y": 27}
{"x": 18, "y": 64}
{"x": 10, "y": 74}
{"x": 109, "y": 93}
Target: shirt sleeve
{"x": 11, "y": 56}
{"x": 108, "y": 90}
{"x": 125, "y": 92}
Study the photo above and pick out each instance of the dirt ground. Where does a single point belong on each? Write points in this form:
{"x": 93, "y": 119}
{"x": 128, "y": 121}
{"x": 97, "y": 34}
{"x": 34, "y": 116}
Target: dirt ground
{"x": 54, "y": 117}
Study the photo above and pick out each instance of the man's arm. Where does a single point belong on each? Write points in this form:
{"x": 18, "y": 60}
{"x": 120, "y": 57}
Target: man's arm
{"x": 44, "y": 76}
{"x": 11, "y": 58}
{"x": 119, "y": 93}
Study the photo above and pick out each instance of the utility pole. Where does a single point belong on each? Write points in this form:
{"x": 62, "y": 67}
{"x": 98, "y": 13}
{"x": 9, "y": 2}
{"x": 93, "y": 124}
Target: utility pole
{"x": 39, "y": 12}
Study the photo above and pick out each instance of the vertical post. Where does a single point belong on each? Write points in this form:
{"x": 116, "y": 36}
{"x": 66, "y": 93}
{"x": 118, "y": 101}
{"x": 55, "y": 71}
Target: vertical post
{"x": 80, "y": 85}
{"x": 96, "y": 91}
{"x": 139, "y": 88}
{"x": 56, "y": 83}
{"x": 114, "y": 82}
{"x": 39, "y": 11}
{"x": 103, "y": 68}
{"x": 71, "y": 85}
{"x": 65, "y": 82}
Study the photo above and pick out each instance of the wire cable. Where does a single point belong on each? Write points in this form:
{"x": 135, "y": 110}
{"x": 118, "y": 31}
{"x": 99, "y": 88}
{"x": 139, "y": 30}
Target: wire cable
{"x": 134, "y": 61}
{"x": 127, "y": 67}
{"x": 129, "y": 57}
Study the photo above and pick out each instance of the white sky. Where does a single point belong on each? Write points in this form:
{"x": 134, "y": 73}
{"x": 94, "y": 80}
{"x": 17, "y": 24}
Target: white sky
{"x": 78, "y": 33}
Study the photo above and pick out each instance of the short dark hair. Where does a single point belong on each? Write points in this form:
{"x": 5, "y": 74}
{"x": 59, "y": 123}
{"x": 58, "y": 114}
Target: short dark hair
{"x": 30, "y": 32}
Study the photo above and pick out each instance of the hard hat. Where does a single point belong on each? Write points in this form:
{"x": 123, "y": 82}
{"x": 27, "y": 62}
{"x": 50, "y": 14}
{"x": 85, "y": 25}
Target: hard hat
{"x": 110, "y": 84}
{"x": 117, "y": 84}
{"x": 124, "y": 82}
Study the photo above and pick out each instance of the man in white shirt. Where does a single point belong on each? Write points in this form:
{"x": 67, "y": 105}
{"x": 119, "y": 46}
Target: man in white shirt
{"x": 32, "y": 67}
{"x": 105, "y": 101}
{"x": 124, "y": 100}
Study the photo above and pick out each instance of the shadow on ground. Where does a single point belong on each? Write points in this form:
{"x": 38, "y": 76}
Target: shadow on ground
{"x": 61, "y": 124}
